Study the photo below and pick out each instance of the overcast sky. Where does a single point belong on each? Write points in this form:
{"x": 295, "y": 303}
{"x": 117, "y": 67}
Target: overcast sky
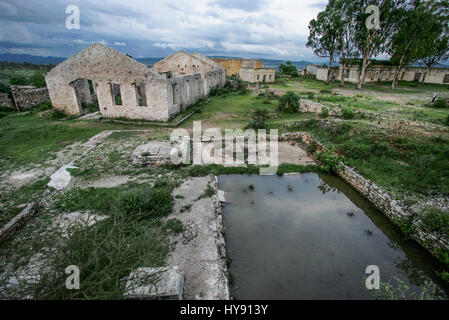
{"x": 257, "y": 28}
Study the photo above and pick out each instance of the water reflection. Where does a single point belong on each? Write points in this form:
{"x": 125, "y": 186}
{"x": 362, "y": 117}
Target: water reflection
{"x": 305, "y": 237}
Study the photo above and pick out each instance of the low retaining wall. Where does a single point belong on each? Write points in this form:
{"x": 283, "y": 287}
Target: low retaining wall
{"x": 27, "y": 97}
{"x": 5, "y": 101}
{"x": 380, "y": 198}
{"x": 316, "y": 107}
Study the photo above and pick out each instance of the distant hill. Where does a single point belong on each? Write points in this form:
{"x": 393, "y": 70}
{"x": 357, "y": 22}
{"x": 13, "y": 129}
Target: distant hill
{"x": 20, "y": 58}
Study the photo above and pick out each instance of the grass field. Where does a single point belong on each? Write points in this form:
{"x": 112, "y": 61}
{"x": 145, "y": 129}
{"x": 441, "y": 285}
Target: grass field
{"x": 411, "y": 163}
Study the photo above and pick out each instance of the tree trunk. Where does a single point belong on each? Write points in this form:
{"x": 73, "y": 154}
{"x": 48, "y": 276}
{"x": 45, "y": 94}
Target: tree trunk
{"x": 396, "y": 78}
{"x": 363, "y": 72}
{"x": 330, "y": 68}
{"x": 342, "y": 84}
{"x": 425, "y": 74}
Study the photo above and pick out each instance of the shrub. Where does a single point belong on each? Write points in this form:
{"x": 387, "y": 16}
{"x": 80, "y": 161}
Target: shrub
{"x": 324, "y": 113}
{"x": 348, "y": 113}
{"x": 257, "y": 120}
{"x": 289, "y": 102}
{"x": 174, "y": 225}
{"x": 5, "y": 88}
{"x": 329, "y": 159}
{"x": 440, "y": 103}
{"x": 19, "y": 81}
{"x": 437, "y": 221}
{"x": 447, "y": 120}
{"x": 325, "y": 91}
{"x": 38, "y": 79}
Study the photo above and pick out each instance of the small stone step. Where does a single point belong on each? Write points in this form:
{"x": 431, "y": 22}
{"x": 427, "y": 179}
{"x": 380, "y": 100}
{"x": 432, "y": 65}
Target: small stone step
{"x": 165, "y": 283}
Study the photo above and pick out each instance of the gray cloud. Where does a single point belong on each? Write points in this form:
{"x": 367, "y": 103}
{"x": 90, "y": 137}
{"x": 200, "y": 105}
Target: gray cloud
{"x": 270, "y": 29}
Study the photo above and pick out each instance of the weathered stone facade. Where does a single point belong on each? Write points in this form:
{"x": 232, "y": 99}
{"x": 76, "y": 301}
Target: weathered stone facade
{"x": 395, "y": 210}
{"x": 233, "y": 66}
{"x": 5, "y": 101}
{"x": 27, "y": 97}
{"x": 380, "y": 73}
{"x": 251, "y": 71}
{"x": 186, "y": 67}
{"x": 124, "y": 87}
{"x": 258, "y": 75}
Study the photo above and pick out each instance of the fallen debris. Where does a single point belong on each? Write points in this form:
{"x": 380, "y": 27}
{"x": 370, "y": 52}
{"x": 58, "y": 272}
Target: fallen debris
{"x": 8, "y": 229}
{"x": 154, "y": 283}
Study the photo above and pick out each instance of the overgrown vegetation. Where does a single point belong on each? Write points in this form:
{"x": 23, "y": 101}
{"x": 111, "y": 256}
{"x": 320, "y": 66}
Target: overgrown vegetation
{"x": 289, "y": 102}
{"x": 132, "y": 236}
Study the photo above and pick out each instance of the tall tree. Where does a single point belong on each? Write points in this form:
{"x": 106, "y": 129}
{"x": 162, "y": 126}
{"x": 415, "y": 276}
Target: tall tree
{"x": 373, "y": 41}
{"x": 346, "y": 38}
{"x": 436, "y": 43}
{"x": 419, "y": 24}
{"x": 324, "y": 33}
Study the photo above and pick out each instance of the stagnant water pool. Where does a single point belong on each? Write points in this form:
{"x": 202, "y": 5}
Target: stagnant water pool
{"x": 311, "y": 236}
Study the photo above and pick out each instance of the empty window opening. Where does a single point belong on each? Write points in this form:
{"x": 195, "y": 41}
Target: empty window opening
{"x": 141, "y": 95}
{"x": 116, "y": 94}
{"x": 417, "y": 77}
{"x": 446, "y": 78}
{"x": 91, "y": 87}
{"x": 175, "y": 89}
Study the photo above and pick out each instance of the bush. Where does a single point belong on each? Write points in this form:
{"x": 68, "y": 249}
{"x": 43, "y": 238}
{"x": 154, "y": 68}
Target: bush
{"x": 437, "y": 221}
{"x": 329, "y": 159}
{"x": 348, "y": 113}
{"x": 324, "y": 113}
{"x": 447, "y": 120}
{"x": 19, "y": 81}
{"x": 325, "y": 91}
{"x": 289, "y": 102}
{"x": 440, "y": 103}
{"x": 257, "y": 120}
{"x": 38, "y": 80}
{"x": 5, "y": 89}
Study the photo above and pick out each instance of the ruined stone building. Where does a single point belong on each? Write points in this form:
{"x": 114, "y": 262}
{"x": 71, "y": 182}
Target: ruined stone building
{"x": 126, "y": 88}
{"x": 385, "y": 72}
{"x": 183, "y": 65}
{"x": 251, "y": 71}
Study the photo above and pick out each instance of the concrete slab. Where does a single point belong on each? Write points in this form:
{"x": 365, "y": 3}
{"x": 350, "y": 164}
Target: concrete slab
{"x": 154, "y": 283}
{"x": 61, "y": 178}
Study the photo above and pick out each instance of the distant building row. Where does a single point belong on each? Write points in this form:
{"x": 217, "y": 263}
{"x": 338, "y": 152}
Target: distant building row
{"x": 378, "y": 73}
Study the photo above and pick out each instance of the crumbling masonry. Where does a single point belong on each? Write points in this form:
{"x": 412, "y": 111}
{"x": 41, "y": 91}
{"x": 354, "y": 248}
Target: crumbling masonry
{"x": 126, "y": 88}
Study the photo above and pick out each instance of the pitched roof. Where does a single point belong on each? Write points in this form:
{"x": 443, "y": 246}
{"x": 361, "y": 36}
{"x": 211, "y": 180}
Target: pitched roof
{"x": 98, "y": 59}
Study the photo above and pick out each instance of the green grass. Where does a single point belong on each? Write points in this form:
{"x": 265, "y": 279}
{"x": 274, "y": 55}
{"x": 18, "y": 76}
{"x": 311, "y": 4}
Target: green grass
{"x": 132, "y": 236}
{"x": 230, "y": 111}
{"x": 27, "y": 138}
{"x": 400, "y": 163}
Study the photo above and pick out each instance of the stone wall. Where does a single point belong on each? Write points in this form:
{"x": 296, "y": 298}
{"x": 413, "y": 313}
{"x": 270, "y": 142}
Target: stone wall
{"x": 233, "y": 66}
{"x": 5, "y": 101}
{"x": 27, "y": 97}
{"x": 395, "y": 210}
{"x": 145, "y": 94}
{"x": 386, "y": 73}
{"x": 316, "y": 107}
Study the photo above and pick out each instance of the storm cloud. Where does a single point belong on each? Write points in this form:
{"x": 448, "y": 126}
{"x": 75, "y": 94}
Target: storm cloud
{"x": 267, "y": 29}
